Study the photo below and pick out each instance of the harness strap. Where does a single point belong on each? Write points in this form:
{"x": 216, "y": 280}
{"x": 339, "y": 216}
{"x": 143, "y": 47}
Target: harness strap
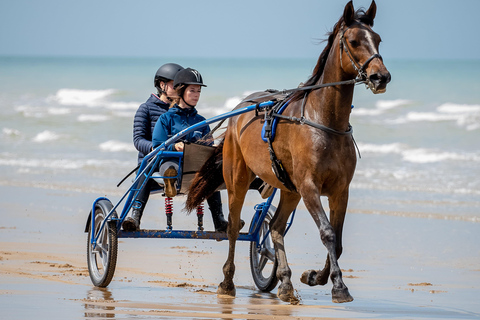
{"x": 316, "y": 125}
{"x": 279, "y": 170}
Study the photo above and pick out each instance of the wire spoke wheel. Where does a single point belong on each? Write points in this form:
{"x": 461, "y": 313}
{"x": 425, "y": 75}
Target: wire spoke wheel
{"x": 102, "y": 255}
{"x": 263, "y": 263}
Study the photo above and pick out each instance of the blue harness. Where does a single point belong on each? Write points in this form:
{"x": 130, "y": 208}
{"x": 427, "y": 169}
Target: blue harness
{"x": 273, "y": 124}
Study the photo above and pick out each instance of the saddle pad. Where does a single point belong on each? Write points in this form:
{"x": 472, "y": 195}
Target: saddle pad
{"x": 274, "y": 124}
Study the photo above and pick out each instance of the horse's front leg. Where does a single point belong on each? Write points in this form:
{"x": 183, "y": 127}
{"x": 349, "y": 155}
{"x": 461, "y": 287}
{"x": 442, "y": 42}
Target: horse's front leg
{"x": 288, "y": 203}
{"x": 237, "y": 179}
{"x": 338, "y": 209}
{"x": 329, "y": 239}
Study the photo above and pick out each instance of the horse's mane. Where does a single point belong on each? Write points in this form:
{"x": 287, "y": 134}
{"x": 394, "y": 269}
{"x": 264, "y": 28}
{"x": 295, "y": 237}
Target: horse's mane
{"x": 360, "y": 16}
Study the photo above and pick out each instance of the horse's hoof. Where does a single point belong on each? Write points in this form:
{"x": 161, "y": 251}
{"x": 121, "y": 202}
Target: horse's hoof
{"x": 226, "y": 290}
{"x": 285, "y": 293}
{"x": 341, "y": 295}
{"x": 309, "y": 277}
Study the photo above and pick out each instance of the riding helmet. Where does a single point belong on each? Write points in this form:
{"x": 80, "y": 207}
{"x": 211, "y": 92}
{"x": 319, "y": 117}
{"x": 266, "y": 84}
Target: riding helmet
{"x": 166, "y": 73}
{"x": 188, "y": 76}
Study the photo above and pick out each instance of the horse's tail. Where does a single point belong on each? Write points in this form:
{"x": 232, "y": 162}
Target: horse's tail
{"x": 207, "y": 180}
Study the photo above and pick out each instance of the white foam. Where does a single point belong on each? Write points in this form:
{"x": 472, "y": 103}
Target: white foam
{"x": 10, "y": 132}
{"x": 466, "y": 116}
{"x": 59, "y": 111}
{"x": 76, "y": 97}
{"x": 458, "y": 108}
{"x": 381, "y": 107}
{"x": 390, "y": 104}
{"x": 383, "y": 148}
{"x": 45, "y": 136}
{"x": 92, "y": 118}
{"x": 121, "y": 105}
{"x": 417, "y": 155}
{"x": 24, "y": 165}
{"x": 429, "y": 156}
{"x": 117, "y": 146}
{"x": 29, "y": 111}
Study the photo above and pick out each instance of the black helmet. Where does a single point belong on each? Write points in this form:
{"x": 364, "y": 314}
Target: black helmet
{"x": 188, "y": 76}
{"x": 166, "y": 73}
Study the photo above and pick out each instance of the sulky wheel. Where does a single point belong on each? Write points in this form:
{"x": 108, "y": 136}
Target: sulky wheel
{"x": 263, "y": 263}
{"x": 102, "y": 257}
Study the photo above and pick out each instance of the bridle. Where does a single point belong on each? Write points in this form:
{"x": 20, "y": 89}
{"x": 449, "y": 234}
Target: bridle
{"x": 356, "y": 65}
{"x": 360, "y": 78}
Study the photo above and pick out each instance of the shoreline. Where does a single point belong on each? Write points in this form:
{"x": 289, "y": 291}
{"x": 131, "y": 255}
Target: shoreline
{"x": 395, "y": 267}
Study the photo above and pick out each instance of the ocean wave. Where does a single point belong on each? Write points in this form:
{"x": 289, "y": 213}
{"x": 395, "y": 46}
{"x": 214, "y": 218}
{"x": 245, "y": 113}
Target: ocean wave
{"x": 76, "y": 97}
{"x": 117, "y": 146}
{"x": 417, "y": 155}
{"x": 90, "y": 98}
{"x": 58, "y": 111}
{"x": 467, "y": 116}
{"x": 10, "y": 132}
{"x": 381, "y": 107}
{"x": 66, "y": 164}
{"x": 231, "y": 103}
{"x": 45, "y": 136}
{"x": 92, "y": 118}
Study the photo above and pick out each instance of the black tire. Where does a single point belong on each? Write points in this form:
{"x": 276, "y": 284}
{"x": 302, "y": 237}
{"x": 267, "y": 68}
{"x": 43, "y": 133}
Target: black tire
{"x": 102, "y": 259}
{"x": 263, "y": 262}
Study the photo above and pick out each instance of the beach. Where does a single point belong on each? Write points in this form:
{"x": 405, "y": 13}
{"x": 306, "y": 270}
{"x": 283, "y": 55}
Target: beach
{"x": 411, "y": 235}
{"x": 396, "y": 267}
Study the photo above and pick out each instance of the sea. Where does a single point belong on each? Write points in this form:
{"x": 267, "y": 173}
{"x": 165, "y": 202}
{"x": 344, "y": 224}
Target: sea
{"x": 66, "y": 124}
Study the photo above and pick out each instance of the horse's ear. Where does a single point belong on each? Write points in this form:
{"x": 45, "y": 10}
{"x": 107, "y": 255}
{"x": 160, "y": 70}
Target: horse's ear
{"x": 349, "y": 14}
{"x": 371, "y": 12}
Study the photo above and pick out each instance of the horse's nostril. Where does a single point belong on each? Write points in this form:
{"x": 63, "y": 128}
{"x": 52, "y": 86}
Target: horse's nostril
{"x": 380, "y": 77}
{"x": 374, "y": 77}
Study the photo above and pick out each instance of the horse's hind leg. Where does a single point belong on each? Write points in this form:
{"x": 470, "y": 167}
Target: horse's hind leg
{"x": 288, "y": 203}
{"x": 332, "y": 241}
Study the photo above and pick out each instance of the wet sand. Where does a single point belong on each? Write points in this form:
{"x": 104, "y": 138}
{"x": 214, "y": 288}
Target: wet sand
{"x": 396, "y": 267}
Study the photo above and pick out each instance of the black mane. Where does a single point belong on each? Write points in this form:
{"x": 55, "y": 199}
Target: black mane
{"x": 361, "y": 17}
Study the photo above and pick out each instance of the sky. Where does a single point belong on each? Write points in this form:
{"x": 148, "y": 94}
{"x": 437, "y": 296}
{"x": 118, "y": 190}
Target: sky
{"x": 410, "y": 29}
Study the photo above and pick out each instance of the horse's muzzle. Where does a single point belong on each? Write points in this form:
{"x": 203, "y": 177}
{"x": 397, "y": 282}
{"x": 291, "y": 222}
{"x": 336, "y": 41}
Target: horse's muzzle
{"x": 377, "y": 82}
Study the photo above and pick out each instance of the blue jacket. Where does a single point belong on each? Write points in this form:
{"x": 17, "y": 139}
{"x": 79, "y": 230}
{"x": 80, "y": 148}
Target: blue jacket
{"x": 174, "y": 121}
{"x": 144, "y": 123}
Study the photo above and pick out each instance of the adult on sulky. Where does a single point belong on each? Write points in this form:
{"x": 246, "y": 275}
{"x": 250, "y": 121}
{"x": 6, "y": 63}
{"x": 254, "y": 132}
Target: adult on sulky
{"x": 144, "y": 122}
{"x": 188, "y": 84}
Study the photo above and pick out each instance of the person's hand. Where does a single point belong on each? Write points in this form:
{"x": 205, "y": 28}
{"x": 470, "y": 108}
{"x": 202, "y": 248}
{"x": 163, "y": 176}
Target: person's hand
{"x": 179, "y": 146}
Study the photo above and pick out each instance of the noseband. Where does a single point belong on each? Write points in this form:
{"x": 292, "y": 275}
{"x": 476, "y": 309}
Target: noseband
{"x": 356, "y": 65}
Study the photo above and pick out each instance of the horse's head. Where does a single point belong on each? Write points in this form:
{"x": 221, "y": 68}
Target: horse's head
{"x": 359, "y": 48}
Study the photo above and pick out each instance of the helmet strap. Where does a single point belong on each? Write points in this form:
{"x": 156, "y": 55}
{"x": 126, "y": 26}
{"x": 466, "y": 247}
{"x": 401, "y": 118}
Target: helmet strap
{"x": 187, "y": 103}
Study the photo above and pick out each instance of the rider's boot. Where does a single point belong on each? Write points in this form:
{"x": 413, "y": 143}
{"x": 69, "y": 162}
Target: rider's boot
{"x": 215, "y": 206}
{"x": 170, "y": 184}
{"x": 133, "y": 223}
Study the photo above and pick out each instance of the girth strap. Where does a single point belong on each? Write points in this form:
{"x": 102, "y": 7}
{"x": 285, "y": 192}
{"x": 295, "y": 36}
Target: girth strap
{"x": 279, "y": 170}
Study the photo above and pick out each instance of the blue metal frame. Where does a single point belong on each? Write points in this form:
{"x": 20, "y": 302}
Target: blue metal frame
{"x": 148, "y": 166}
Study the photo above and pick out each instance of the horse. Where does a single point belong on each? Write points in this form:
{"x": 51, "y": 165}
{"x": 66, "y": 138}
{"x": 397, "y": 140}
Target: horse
{"x": 315, "y": 146}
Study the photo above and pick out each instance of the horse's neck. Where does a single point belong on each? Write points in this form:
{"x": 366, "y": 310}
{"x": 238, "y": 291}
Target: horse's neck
{"x": 331, "y": 106}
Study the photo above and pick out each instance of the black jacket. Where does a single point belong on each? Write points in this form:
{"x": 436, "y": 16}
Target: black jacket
{"x": 144, "y": 123}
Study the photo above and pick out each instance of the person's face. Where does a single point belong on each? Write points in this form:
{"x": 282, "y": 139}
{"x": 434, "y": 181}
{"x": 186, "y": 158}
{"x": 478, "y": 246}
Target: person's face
{"x": 192, "y": 94}
{"x": 168, "y": 88}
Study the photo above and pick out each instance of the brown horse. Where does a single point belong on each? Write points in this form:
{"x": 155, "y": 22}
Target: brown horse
{"x": 319, "y": 158}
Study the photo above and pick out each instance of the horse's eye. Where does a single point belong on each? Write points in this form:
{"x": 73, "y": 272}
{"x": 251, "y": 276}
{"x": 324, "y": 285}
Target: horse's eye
{"x": 354, "y": 43}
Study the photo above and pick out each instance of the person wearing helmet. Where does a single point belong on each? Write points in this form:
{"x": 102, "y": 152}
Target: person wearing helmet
{"x": 188, "y": 84}
{"x": 143, "y": 125}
